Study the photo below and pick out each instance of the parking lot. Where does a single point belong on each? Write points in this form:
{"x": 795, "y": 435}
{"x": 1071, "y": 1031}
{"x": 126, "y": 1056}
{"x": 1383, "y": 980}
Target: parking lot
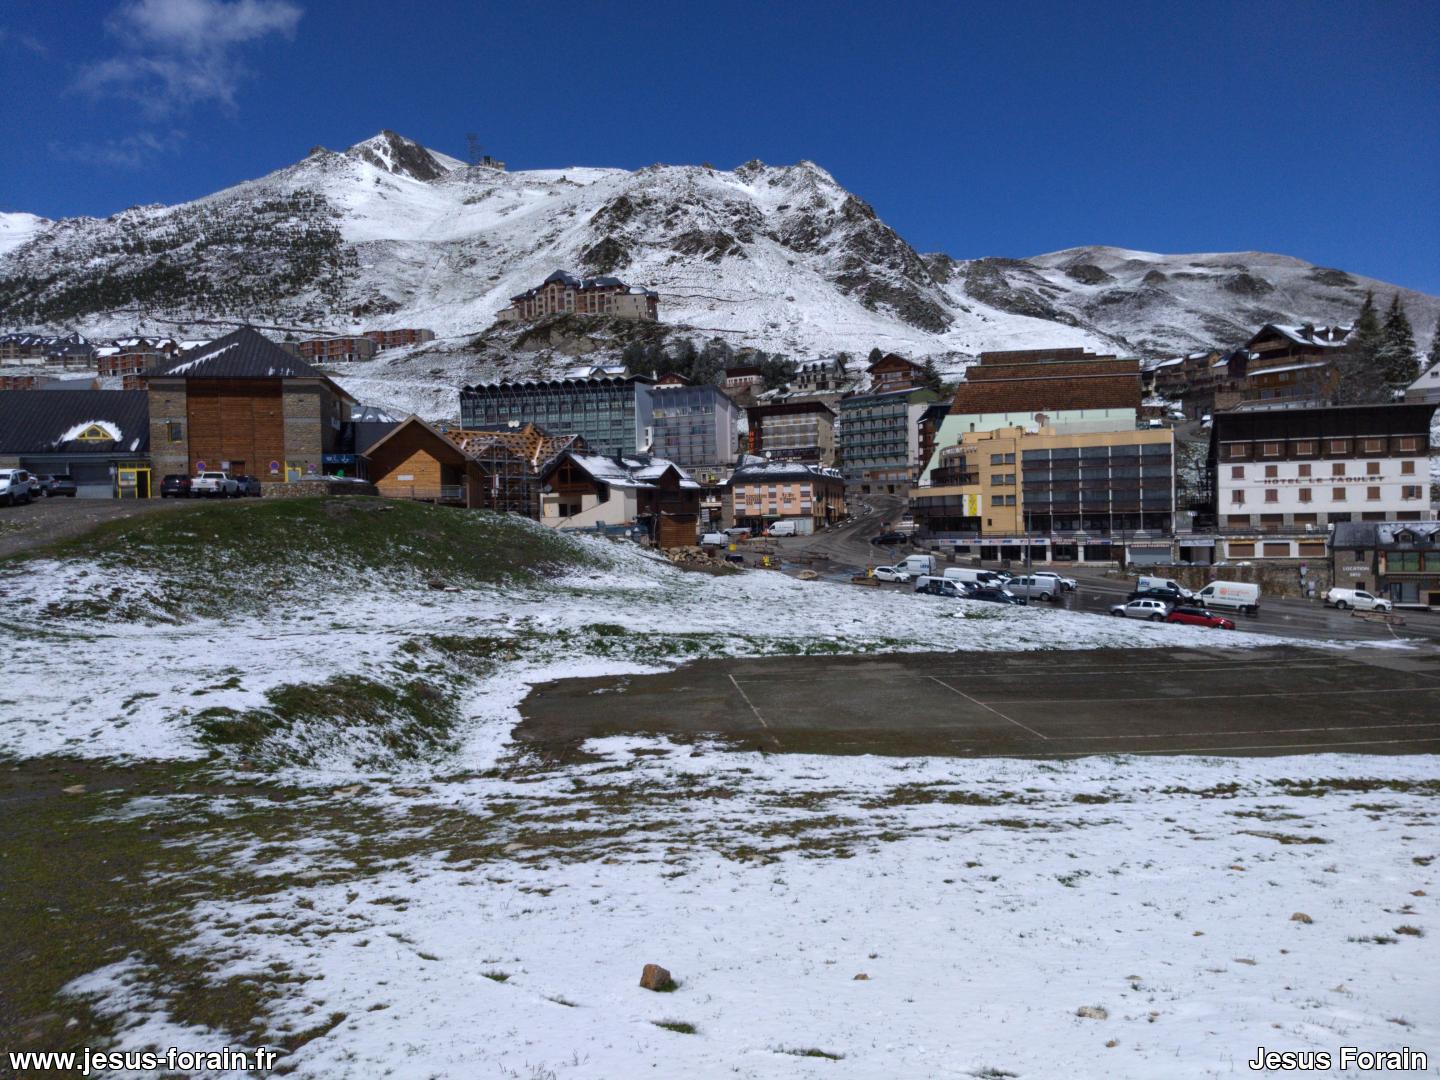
{"x": 1047, "y": 705}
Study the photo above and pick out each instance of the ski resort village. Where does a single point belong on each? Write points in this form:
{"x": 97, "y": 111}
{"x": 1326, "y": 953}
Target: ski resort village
{"x": 464, "y": 621}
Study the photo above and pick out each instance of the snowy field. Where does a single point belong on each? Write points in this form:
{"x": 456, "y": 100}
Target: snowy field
{"x": 464, "y": 908}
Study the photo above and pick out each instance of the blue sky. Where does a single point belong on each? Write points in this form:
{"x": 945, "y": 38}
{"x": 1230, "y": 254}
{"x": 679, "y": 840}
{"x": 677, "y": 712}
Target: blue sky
{"x": 1007, "y": 129}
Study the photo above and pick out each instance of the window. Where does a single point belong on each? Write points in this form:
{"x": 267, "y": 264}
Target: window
{"x": 1372, "y": 468}
{"x": 1272, "y": 471}
{"x": 997, "y": 500}
{"x": 1372, "y": 494}
{"x": 1337, "y": 469}
{"x": 1277, "y": 549}
{"x": 1307, "y": 519}
{"x": 1237, "y": 472}
{"x": 1305, "y": 469}
{"x": 1310, "y": 549}
{"x": 175, "y": 431}
{"x": 1372, "y": 446}
{"x": 1272, "y": 495}
{"x": 1407, "y": 468}
{"x": 1402, "y": 561}
{"x": 1411, "y": 491}
{"x": 1238, "y": 550}
{"x": 1271, "y": 449}
{"x": 1234, "y": 520}
{"x": 1305, "y": 446}
{"x": 1237, "y": 498}
{"x": 1337, "y": 495}
{"x": 1237, "y": 451}
{"x": 1337, "y": 446}
{"x": 1409, "y": 444}
{"x": 1304, "y": 495}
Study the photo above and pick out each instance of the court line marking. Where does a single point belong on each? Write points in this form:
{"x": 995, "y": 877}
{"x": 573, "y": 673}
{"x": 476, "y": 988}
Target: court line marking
{"x": 1300, "y": 746}
{"x": 1253, "y": 731}
{"x": 997, "y": 712}
{"x": 1217, "y": 697}
{"x": 1309, "y": 661}
{"x": 753, "y": 709}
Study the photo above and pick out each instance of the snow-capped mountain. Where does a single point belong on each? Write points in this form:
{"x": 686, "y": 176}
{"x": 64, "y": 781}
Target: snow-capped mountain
{"x": 388, "y": 233}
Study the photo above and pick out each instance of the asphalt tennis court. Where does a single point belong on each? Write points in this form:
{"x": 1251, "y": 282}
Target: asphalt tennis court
{"x": 1043, "y": 704}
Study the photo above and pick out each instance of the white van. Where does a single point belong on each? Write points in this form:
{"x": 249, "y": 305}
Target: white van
{"x": 781, "y": 528}
{"x": 1358, "y": 599}
{"x": 1164, "y": 585}
{"x": 918, "y": 565}
{"x": 715, "y": 539}
{"x": 972, "y": 575}
{"x": 1235, "y": 595}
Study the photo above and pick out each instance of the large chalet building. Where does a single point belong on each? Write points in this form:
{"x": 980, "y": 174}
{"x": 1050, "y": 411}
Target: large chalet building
{"x": 564, "y": 294}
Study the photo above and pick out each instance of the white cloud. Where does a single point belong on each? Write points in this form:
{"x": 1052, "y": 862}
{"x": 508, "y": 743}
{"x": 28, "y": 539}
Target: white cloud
{"x": 25, "y": 41}
{"x": 129, "y": 152}
{"x": 179, "y": 53}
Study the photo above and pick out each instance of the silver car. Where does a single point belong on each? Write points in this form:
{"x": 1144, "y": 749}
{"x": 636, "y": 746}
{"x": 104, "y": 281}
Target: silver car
{"x": 1035, "y": 587}
{"x": 1154, "y": 610}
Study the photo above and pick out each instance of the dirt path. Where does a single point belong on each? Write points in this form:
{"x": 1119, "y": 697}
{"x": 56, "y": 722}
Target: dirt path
{"x": 47, "y": 520}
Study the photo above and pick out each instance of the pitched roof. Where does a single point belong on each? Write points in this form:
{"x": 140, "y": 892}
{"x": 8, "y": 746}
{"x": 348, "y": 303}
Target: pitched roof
{"x": 242, "y": 354}
{"x": 51, "y": 422}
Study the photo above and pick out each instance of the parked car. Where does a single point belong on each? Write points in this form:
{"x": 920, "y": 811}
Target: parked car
{"x": 1034, "y": 587}
{"x": 1068, "y": 584}
{"x": 939, "y": 586}
{"x": 219, "y": 484}
{"x": 1165, "y": 584}
{"x": 973, "y": 576}
{"x": 248, "y": 485}
{"x": 61, "y": 485}
{"x": 175, "y": 486}
{"x": 891, "y": 573}
{"x": 15, "y": 486}
{"x": 994, "y": 596}
{"x": 1359, "y": 599}
{"x": 738, "y": 533}
{"x": 890, "y": 538}
{"x": 1164, "y": 595}
{"x": 714, "y": 539}
{"x": 1195, "y": 616}
{"x": 1154, "y": 610}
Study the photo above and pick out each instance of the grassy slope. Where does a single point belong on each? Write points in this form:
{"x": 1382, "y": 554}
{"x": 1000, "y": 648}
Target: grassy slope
{"x": 212, "y": 559}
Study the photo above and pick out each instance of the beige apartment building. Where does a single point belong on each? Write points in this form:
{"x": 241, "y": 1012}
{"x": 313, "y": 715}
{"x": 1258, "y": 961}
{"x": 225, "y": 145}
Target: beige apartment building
{"x": 1103, "y": 496}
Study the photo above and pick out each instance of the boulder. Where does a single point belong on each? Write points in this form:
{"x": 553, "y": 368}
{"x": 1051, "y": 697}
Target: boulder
{"x": 1301, "y": 917}
{"x": 655, "y": 977}
{"x": 1092, "y": 1012}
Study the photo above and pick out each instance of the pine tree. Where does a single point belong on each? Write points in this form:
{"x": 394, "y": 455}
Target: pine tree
{"x": 1433, "y": 357}
{"x": 875, "y": 354}
{"x": 1361, "y": 381}
{"x": 930, "y": 377}
{"x": 1395, "y": 358}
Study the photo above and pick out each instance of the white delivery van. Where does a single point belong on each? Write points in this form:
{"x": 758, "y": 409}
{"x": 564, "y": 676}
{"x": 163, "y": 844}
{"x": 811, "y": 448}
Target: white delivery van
{"x": 781, "y": 528}
{"x": 1164, "y": 585}
{"x": 1235, "y": 595}
{"x": 715, "y": 539}
{"x": 972, "y": 575}
{"x": 916, "y": 565}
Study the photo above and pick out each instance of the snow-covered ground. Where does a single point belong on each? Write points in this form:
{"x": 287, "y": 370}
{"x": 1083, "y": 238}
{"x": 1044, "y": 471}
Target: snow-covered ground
{"x": 476, "y": 911}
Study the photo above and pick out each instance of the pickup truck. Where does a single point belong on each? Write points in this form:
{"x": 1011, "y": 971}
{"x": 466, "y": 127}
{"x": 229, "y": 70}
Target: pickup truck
{"x": 214, "y": 484}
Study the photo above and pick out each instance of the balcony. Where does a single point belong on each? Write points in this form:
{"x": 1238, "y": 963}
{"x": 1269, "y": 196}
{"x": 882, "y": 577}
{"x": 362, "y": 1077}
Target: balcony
{"x": 952, "y": 477}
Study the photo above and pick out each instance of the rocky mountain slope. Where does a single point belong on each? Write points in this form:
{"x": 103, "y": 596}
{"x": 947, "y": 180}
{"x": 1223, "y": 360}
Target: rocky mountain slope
{"x": 388, "y": 233}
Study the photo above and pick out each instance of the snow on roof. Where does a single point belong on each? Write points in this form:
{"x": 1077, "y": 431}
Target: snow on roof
{"x": 188, "y": 365}
{"x": 71, "y": 434}
{"x": 1290, "y": 367}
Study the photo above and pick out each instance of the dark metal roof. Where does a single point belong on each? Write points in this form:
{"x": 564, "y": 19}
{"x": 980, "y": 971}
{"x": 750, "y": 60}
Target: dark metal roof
{"x": 32, "y": 423}
{"x": 244, "y": 354}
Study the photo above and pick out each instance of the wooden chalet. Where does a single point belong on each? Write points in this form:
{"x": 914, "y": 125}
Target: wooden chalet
{"x": 592, "y": 491}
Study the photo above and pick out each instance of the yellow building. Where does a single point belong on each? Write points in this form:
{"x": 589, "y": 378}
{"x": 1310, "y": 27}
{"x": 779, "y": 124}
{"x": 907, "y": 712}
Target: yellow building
{"x": 1103, "y": 496}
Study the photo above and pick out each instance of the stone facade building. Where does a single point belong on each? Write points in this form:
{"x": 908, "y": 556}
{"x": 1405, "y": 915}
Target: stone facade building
{"x": 245, "y": 405}
{"x": 564, "y": 294}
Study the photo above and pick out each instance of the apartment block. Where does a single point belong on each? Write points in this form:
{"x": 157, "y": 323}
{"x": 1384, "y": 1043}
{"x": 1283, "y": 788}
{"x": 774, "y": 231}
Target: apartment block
{"x": 801, "y": 431}
{"x": 613, "y": 414}
{"x": 880, "y": 439}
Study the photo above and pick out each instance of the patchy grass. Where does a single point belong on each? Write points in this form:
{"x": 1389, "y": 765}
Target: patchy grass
{"x": 497, "y": 976}
{"x": 682, "y": 1027}
{"x": 811, "y": 1052}
{"x": 1410, "y": 931}
{"x": 217, "y": 558}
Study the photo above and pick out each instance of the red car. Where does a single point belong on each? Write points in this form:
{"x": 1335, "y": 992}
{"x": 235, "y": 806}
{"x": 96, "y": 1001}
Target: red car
{"x": 1194, "y": 616}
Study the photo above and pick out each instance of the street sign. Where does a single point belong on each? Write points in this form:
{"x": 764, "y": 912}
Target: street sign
{"x": 199, "y": 466}
{"x": 274, "y": 468}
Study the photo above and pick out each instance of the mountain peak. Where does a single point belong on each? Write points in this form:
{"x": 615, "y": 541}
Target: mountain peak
{"x": 397, "y": 154}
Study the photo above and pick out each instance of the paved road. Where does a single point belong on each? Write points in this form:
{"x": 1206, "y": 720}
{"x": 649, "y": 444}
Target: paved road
{"x": 840, "y": 553}
{"x": 1281, "y": 700}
